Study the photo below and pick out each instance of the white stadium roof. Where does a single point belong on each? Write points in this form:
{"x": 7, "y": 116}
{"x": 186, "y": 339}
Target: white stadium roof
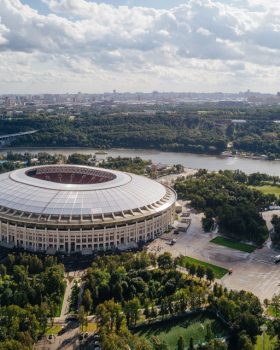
{"x": 119, "y": 192}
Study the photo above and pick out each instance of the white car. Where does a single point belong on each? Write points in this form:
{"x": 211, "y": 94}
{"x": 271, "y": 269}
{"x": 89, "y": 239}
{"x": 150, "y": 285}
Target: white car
{"x": 277, "y": 259}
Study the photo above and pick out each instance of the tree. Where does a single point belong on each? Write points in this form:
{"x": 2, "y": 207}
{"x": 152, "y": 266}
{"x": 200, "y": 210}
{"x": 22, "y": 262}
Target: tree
{"x": 191, "y": 344}
{"x": 109, "y": 316}
{"x": 131, "y": 310}
{"x": 209, "y": 333}
{"x": 244, "y": 342}
{"x": 181, "y": 343}
{"x": 165, "y": 261}
{"x": 275, "y": 235}
{"x": 87, "y": 300}
{"x": 158, "y": 344}
{"x": 200, "y": 271}
{"x": 210, "y": 274}
{"x": 275, "y": 303}
{"x": 147, "y": 312}
{"x": 82, "y": 317}
{"x": 216, "y": 344}
{"x": 192, "y": 270}
{"x": 3, "y": 270}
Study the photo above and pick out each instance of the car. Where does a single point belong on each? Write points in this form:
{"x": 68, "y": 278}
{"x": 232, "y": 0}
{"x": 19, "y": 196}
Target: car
{"x": 96, "y": 344}
{"x": 176, "y": 232}
{"x": 51, "y": 338}
{"x": 71, "y": 318}
{"x": 277, "y": 259}
{"x": 62, "y": 331}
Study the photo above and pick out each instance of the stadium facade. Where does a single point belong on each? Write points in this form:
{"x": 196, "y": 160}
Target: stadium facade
{"x": 70, "y": 208}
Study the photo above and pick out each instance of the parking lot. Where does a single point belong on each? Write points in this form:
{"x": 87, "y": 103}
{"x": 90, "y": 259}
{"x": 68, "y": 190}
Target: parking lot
{"x": 255, "y": 272}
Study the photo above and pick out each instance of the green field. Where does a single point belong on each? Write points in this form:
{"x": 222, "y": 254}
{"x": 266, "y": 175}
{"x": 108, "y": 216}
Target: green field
{"x": 268, "y": 342}
{"x": 226, "y": 242}
{"x": 191, "y": 326}
{"x": 219, "y": 271}
{"x": 268, "y": 189}
{"x": 53, "y": 330}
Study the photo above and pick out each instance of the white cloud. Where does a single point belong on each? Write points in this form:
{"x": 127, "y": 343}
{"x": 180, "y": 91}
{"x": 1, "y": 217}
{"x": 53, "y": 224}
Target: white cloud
{"x": 203, "y": 43}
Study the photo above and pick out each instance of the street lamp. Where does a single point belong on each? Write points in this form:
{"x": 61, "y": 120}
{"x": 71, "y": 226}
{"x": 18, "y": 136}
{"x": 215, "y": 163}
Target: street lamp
{"x": 263, "y": 328}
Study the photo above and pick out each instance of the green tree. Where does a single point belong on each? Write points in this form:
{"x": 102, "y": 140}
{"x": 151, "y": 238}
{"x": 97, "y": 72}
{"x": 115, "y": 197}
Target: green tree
{"x": 181, "y": 343}
{"x": 82, "y": 317}
{"x": 191, "y": 344}
{"x": 131, "y": 310}
{"x": 200, "y": 271}
{"x": 210, "y": 274}
{"x": 87, "y": 300}
{"x": 165, "y": 261}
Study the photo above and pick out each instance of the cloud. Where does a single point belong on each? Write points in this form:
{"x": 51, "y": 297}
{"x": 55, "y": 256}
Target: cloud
{"x": 218, "y": 42}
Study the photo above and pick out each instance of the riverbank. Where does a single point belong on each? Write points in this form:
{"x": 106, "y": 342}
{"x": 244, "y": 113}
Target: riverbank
{"x": 225, "y": 154}
{"x": 188, "y": 160}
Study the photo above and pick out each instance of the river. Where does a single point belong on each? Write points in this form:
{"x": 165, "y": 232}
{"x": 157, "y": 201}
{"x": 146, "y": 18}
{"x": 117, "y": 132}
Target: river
{"x": 194, "y": 161}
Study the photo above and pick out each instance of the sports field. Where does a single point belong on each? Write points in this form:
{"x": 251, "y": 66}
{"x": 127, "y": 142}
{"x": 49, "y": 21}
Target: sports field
{"x": 269, "y": 343}
{"x": 229, "y": 243}
{"x": 194, "y": 326}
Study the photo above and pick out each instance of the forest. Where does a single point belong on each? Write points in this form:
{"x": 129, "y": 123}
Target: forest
{"x": 129, "y": 288}
{"x": 31, "y": 292}
{"x": 187, "y": 130}
{"x": 228, "y": 201}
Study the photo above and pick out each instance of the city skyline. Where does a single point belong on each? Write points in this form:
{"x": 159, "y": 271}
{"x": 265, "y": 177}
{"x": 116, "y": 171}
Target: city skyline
{"x": 201, "y": 46}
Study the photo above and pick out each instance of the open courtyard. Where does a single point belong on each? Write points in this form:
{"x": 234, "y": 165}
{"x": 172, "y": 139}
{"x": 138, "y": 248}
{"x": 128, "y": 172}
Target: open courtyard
{"x": 255, "y": 272}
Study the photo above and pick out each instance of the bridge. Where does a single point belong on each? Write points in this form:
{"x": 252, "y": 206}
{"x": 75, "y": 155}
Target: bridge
{"x": 6, "y": 139}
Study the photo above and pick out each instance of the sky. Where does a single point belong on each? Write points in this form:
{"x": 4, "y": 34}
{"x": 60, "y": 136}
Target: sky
{"x": 58, "y": 46}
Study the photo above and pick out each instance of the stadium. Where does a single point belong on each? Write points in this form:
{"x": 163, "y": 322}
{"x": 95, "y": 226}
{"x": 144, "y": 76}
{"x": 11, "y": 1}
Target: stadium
{"x": 71, "y": 208}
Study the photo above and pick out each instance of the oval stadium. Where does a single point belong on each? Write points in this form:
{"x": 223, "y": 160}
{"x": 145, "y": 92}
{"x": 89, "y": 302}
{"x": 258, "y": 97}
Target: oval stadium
{"x": 71, "y": 208}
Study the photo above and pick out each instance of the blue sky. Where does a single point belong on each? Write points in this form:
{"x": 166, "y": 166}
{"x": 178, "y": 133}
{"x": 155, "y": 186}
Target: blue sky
{"x": 82, "y": 45}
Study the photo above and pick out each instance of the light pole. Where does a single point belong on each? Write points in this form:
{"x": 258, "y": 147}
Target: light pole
{"x": 263, "y": 328}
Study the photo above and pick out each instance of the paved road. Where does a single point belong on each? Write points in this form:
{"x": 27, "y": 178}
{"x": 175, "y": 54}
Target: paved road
{"x": 67, "y": 341}
{"x": 70, "y": 277}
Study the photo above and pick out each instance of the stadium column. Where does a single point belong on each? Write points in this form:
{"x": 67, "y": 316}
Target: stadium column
{"x": 25, "y": 236}
{"x": 33, "y": 237}
{"x": 15, "y": 235}
{"x": 104, "y": 238}
{"x": 125, "y": 240}
{"x": 68, "y": 239}
{"x": 153, "y": 234}
{"x": 8, "y": 229}
{"x": 145, "y": 226}
{"x": 115, "y": 236}
{"x": 45, "y": 239}
{"x": 57, "y": 239}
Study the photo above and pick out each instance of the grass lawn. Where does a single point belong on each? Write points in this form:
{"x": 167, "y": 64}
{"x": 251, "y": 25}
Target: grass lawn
{"x": 219, "y": 272}
{"x": 91, "y": 327}
{"x": 226, "y": 242}
{"x": 268, "y": 189}
{"x": 59, "y": 307}
{"x": 190, "y": 326}
{"x": 269, "y": 343}
{"x": 53, "y": 330}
